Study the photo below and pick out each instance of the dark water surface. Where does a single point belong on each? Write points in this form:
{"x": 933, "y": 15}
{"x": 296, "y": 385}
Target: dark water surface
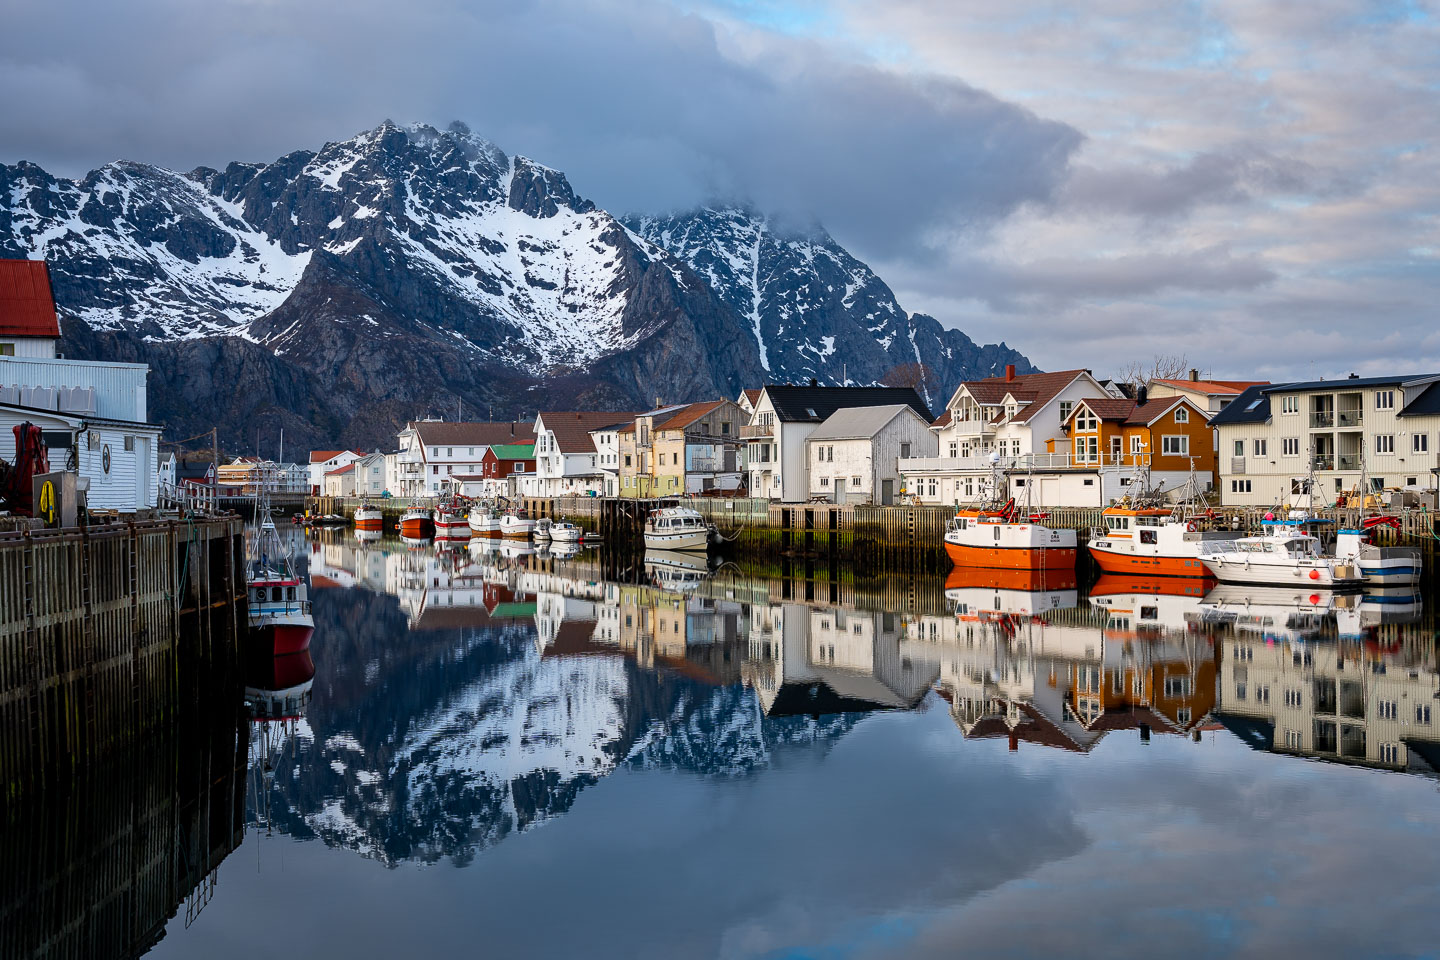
{"x": 507, "y": 756}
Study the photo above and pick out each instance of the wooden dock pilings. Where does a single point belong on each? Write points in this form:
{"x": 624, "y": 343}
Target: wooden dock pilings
{"x": 105, "y": 630}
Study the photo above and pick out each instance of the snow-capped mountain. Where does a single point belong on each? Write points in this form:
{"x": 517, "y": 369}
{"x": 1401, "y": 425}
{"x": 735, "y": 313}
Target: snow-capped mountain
{"x": 337, "y": 293}
{"x": 814, "y": 309}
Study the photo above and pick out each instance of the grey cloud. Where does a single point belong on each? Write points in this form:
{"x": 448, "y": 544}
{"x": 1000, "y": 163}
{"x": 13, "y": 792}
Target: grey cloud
{"x": 1232, "y": 176}
{"x": 644, "y": 106}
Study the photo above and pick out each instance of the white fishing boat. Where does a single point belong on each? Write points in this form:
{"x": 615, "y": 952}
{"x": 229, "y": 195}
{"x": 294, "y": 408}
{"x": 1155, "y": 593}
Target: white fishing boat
{"x": 451, "y": 521}
{"x": 484, "y": 520}
{"x": 542, "y": 529}
{"x": 516, "y": 525}
{"x": 565, "y": 532}
{"x": 677, "y": 528}
{"x": 1283, "y": 559}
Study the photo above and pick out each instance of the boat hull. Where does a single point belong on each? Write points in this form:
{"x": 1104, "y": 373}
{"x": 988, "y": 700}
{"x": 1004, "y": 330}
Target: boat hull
{"x": 517, "y": 529}
{"x": 416, "y": 528}
{"x": 367, "y": 523}
{"x": 452, "y": 529}
{"x": 1266, "y": 575}
{"x": 1126, "y": 563}
{"x": 689, "y": 540}
{"x": 1011, "y": 558}
{"x": 283, "y": 635}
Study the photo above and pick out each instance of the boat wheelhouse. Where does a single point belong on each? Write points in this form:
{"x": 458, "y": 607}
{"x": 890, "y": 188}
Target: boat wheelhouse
{"x": 369, "y": 517}
{"x": 485, "y": 521}
{"x": 1009, "y": 539}
{"x": 677, "y": 528}
{"x": 416, "y": 523}
{"x": 452, "y": 520}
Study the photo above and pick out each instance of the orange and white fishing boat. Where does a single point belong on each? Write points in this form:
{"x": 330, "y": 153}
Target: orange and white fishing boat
{"x": 1154, "y": 540}
{"x": 1009, "y": 539}
{"x": 369, "y": 517}
{"x": 417, "y": 524}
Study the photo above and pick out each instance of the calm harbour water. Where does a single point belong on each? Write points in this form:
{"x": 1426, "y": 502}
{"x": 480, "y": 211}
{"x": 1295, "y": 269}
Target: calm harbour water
{"x": 503, "y": 756}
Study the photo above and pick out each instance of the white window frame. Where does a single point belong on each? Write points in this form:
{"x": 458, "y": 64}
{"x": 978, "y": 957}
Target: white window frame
{"x": 1261, "y": 447}
{"x": 1182, "y": 414}
{"x": 1384, "y": 399}
{"x": 1175, "y": 445}
{"x": 1290, "y": 446}
{"x": 1420, "y": 443}
{"x": 1384, "y": 444}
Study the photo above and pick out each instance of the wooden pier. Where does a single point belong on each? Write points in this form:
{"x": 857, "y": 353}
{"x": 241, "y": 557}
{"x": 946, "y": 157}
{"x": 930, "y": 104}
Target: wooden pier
{"x": 105, "y": 630}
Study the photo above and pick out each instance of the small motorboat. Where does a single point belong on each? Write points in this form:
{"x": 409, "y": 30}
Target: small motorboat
{"x": 542, "y": 529}
{"x": 1285, "y": 559}
{"x": 328, "y": 520}
{"x": 484, "y": 521}
{"x": 677, "y": 528}
{"x": 1008, "y": 538}
{"x": 1380, "y": 566}
{"x": 566, "y": 532}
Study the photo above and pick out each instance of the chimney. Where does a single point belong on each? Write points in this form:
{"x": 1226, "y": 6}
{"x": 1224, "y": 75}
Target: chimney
{"x": 658, "y": 403}
{"x": 1142, "y": 395}
{"x": 512, "y": 428}
{"x": 814, "y": 382}
{"x": 1194, "y": 375}
{"x": 1009, "y": 372}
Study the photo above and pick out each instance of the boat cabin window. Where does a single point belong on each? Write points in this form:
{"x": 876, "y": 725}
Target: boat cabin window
{"x": 289, "y": 593}
{"x": 275, "y": 593}
{"x": 997, "y": 533}
{"x": 260, "y": 594}
{"x": 963, "y": 523}
{"x": 1147, "y": 536}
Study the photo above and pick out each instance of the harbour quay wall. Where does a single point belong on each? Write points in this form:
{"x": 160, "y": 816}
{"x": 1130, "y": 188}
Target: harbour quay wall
{"x": 106, "y": 630}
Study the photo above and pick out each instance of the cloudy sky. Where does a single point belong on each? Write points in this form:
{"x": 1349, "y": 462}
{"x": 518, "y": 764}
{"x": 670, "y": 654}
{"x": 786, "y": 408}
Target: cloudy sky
{"x": 1253, "y": 185}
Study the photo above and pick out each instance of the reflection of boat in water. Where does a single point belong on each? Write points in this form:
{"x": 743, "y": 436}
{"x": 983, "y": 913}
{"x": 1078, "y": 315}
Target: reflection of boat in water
{"x": 368, "y": 536}
{"x": 563, "y": 550}
{"x": 981, "y": 594}
{"x": 510, "y": 549}
{"x": 278, "y": 688}
{"x": 1155, "y": 602}
{"x": 1278, "y": 614}
{"x": 416, "y": 543}
{"x": 676, "y": 569}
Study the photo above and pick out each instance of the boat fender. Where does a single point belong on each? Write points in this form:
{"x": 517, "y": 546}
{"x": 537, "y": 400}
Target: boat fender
{"x": 1314, "y": 574}
{"x": 1190, "y": 527}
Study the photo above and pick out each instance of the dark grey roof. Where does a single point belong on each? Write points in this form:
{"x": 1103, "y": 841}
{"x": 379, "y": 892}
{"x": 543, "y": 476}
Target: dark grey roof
{"x": 1345, "y": 383}
{"x": 1251, "y": 406}
{"x": 1428, "y": 402}
{"x": 814, "y": 404}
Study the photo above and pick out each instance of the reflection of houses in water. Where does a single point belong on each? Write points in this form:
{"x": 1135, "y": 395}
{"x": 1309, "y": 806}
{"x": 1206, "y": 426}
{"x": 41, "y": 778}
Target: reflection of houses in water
{"x": 1343, "y": 702}
{"x": 1017, "y": 664}
{"x": 805, "y": 659}
{"x": 699, "y": 637}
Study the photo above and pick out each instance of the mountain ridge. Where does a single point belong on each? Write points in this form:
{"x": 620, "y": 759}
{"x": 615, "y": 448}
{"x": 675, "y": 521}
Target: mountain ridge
{"x": 341, "y": 291}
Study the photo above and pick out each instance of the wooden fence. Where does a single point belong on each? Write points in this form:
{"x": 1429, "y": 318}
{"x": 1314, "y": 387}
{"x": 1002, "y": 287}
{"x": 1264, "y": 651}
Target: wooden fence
{"x": 96, "y": 626}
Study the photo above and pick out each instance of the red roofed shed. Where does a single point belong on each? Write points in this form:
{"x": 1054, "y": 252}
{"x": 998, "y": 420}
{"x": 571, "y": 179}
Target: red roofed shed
{"x": 27, "y": 304}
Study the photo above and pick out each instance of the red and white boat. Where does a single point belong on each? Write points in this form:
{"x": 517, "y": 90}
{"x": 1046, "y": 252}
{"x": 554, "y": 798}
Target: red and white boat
{"x": 417, "y": 524}
{"x": 278, "y": 602}
{"x": 452, "y": 521}
{"x": 369, "y": 517}
{"x": 1007, "y": 538}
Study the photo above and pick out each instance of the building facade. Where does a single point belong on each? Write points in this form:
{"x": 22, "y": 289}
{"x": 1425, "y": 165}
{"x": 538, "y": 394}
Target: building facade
{"x": 430, "y": 452}
{"x": 854, "y": 454}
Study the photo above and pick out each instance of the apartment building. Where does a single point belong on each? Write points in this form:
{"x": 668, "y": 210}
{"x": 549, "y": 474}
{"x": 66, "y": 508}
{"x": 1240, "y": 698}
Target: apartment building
{"x": 430, "y": 452}
{"x": 1387, "y": 428}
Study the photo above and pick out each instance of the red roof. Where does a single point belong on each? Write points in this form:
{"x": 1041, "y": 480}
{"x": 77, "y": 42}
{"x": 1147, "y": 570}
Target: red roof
{"x": 1227, "y": 387}
{"x": 339, "y": 470}
{"x": 27, "y": 306}
{"x": 1036, "y": 388}
{"x": 571, "y": 428}
{"x": 320, "y": 456}
{"x": 1129, "y": 411}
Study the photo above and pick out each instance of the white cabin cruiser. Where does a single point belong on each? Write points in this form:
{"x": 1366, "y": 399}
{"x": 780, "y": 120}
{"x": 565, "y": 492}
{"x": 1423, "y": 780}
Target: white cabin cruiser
{"x": 677, "y": 528}
{"x": 1285, "y": 559}
{"x": 516, "y": 525}
{"x": 566, "y": 532}
{"x": 542, "y": 529}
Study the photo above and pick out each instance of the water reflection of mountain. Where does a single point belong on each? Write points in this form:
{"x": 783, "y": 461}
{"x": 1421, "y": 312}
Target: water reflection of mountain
{"x": 428, "y": 743}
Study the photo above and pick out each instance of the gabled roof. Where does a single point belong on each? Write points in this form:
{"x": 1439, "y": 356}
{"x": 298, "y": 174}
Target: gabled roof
{"x": 689, "y": 414}
{"x": 1427, "y": 402}
{"x": 512, "y": 451}
{"x": 1252, "y": 406}
{"x": 339, "y": 470}
{"x": 1132, "y": 413}
{"x": 320, "y": 456}
{"x": 440, "y": 433}
{"x": 816, "y": 404}
{"x": 27, "y": 304}
{"x": 859, "y": 423}
{"x": 1214, "y": 387}
{"x": 1349, "y": 383}
{"x": 572, "y": 427}
{"x": 942, "y": 420}
{"x": 1037, "y": 389}
{"x": 751, "y": 395}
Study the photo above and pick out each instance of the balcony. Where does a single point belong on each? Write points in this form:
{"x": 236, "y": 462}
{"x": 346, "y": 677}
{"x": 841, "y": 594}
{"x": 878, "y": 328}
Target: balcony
{"x": 1351, "y": 419}
{"x": 1322, "y": 420}
{"x": 1237, "y": 465}
{"x": 1324, "y": 461}
{"x": 758, "y": 431}
{"x": 412, "y": 468}
{"x": 1346, "y": 462}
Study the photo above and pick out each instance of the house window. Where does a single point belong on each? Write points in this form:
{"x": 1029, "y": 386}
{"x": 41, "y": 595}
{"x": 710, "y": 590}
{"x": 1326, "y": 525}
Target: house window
{"x": 627, "y": 459}
{"x": 1289, "y": 404}
{"x": 819, "y": 454}
{"x": 954, "y": 449}
{"x": 824, "y": 481}
{"x": 934, "y": 489}
{"x": 1385, "y": 443}
{"x": 1137, "y": 445}
{"x": 1085, "y": 422}
{"x": 1239, "y": 486}
{"x": 904, "y": 449}
{"x": 1175, "y": 446}
{"x": 725, "y": 428}
{"x": 1066, "y": 408}
{"x": 829, "y": 454}
{"x": 7, "y": 349}
{"x": 129, "y": 443}
{"x": 1261, "y": 448}
{"x": 1420, "y": 442}
{"x": 1239, "y": 448}
{"x": 1385, "y": 400}
{"x": 1182, "y": 415}
{"x": 855, "y": 481}
{"x": 434, "y": 470}
{"x": 1290, "y": 446}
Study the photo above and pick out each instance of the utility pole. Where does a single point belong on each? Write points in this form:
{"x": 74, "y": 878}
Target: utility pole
{"x": 215, "y": 465}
